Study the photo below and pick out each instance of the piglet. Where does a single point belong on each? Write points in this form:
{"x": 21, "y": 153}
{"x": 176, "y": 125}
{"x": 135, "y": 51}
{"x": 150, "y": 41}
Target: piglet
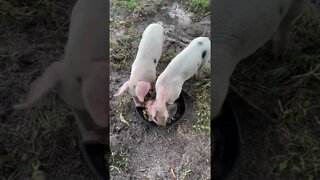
{"x": 143, "y": 70}
{"x": 169, "y": 84}
{"x": 81, "y": 77}
{"x": 243, "y": 26}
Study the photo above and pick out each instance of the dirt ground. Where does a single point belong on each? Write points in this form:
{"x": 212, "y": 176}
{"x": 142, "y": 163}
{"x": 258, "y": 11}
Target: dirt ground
{"x": 140, "y": 151}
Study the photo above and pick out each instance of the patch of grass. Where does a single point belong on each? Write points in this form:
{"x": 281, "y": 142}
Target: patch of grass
{"x": 47, "y": 118}
{"x": 118, "y": 66}
{"x": 295, "y": 84}
{"x": 143, "y": 8}
{"x": 299, "y": 150}
{"x": 299, "y": 66}
{"x": 308, "y": 29}
{"x": 185, "y": 173}
{"x": 300, "y": 154}
{"x": 123, "y": 52}
{"x": 119, "y": 162}
{"x": 120, "y": 106}
{"x": 125, "y": 99}
{"x": 117, "y": 22}
{"x": 113, "y": 44}
{"x": 205, "y": 128}
{"x": 15, "y": 9}
{"x": 197, "y": 6}
{"x": 296, "y": 109}
{"x": 119, "y": 60}
{"x": 22, "y": 15}
{"x": 132, "y": 37}
{"x": 301, "y": 157}
{"x": 127, "y": 4}
{"x": 158, "y": 2}
{"x": 203, "y": 96}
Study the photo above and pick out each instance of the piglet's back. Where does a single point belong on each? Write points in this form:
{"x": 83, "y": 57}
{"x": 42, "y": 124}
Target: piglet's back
{"x": 187, "y": 62}
{"x": 151, "y": 44}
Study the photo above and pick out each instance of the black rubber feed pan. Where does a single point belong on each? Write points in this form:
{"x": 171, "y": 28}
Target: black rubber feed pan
{"x": 94, "y": 155}
{"x": 226, "y": 131}
{"x": 179, "y": 114}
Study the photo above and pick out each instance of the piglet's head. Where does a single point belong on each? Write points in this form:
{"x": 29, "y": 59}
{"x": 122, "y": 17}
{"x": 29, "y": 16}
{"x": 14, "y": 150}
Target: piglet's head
{"x": 139, "y": 90}
{"x": 162, "y": 117}
{"x": 158, "y": 112}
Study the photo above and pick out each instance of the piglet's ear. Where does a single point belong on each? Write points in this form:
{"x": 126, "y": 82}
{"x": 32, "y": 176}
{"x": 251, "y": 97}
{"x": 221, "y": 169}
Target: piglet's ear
{"x": 151, "y": 108}
{"x": 41, "y": 86}
{"x": 142, "y": 90}
{"x": 123, "y": 88}
{"x": 94, "y": 91}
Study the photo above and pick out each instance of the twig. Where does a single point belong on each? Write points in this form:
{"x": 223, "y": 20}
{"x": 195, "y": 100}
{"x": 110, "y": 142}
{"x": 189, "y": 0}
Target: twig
{"x": 123, "y": 43}
{"x": 176, "y": 41}
{"x": 173, "y": 176}
{"x": 185, "y": 40}
{"x": 15, "y": 174}
{"x": 250, "y": 103}
{"x": 302, "y": 79}
{"x": 308, "y": 73}
{"x": 64, "y": 24}
{"x": 208, "y": 13}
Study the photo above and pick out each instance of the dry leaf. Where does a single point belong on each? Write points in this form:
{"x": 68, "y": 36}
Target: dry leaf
{"x": 172, "y": 174}
{"x": 123, "y": 120}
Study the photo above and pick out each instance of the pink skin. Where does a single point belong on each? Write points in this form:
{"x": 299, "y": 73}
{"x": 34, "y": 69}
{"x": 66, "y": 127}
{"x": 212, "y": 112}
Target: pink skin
{"x": 123, "y": 88}
{"x": 150, "y": 108}
{"x": 157, "y": 109}
{"x": 141, "y": 90}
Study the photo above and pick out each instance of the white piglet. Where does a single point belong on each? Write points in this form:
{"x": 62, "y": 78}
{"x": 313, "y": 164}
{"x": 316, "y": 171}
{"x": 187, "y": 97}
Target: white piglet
{"x": 169, "y": 84}
{"x": 143, "y": 70}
